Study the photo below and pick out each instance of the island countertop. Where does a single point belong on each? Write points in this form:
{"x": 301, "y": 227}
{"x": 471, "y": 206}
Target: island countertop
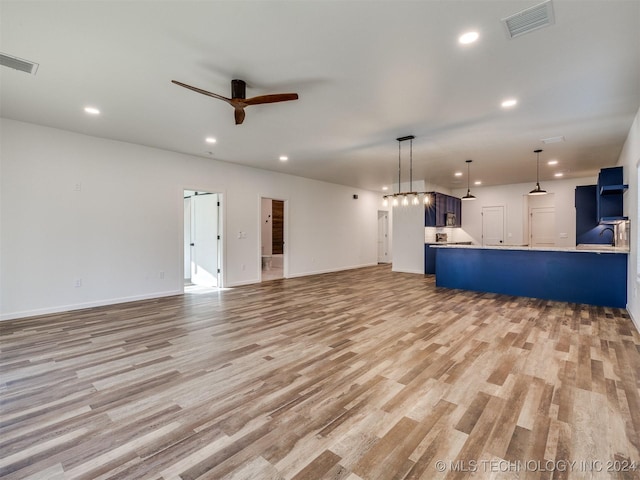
{"x": 585, "y": 248}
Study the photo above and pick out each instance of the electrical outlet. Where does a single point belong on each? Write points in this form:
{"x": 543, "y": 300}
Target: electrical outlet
{"x": 244, "y": 266}
{"x": 78, "y": 283}
{"x": 161, "y": 275}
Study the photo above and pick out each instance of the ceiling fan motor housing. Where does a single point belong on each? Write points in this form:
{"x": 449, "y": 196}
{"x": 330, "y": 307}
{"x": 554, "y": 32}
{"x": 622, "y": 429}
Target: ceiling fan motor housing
{"x": 238, "y": 89}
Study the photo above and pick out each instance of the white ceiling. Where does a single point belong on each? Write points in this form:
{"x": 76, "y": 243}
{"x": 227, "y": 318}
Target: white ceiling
{"x": 367, "y": 72}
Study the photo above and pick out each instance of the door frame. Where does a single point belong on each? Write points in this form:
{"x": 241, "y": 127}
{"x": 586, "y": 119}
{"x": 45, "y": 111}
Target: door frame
{"x": 221, "y": 231}
{"x": 504, "y": 221}
{"x": 386, "y": 243}
{"x": 285, "y": 234}
{"x": 530, "y": 216}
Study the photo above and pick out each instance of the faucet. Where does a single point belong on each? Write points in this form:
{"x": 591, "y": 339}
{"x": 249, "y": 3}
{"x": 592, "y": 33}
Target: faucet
{"x": 613, "y": 235}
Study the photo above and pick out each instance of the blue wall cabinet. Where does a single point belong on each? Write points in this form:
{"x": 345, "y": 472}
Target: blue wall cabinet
{"x": 609, "y": 195}
{"x": 435, "y": 213}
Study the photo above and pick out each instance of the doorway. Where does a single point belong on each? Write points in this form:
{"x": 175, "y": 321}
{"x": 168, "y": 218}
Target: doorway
{"x": 383, "y": 236}
{"x": 272, "y": 246}
{"x": 542, "y": 226}
{"x": 493, "y": 225}
{"x": 202, "y": 239}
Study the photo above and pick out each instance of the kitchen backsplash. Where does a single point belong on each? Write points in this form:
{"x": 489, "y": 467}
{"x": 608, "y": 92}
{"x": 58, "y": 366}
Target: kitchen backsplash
{"x": 622, "y": 230}
{"x": 453, "y": 234}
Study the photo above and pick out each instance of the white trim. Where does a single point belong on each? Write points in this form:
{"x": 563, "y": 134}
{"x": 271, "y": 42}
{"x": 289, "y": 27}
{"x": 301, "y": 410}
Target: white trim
{"x": 82, "y": 306}
{"x": 331, "y": 270}
{"x": 633, "y": 320}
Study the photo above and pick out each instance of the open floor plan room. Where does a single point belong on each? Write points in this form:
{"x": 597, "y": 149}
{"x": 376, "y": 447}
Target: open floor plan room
{"x": 360, "y": 374}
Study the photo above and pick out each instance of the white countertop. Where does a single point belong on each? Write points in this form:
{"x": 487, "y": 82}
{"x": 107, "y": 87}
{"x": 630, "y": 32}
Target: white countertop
{"x": 580, "y": 248}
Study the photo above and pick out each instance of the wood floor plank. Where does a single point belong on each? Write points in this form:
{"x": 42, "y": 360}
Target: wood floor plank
{"x": 356, "y": 375}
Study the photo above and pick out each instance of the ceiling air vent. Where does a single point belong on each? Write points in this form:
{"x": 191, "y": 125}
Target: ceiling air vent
{"x": 529, "y": 20}
{"x": 558, "y": 139}
{"x": 18, "y": 63}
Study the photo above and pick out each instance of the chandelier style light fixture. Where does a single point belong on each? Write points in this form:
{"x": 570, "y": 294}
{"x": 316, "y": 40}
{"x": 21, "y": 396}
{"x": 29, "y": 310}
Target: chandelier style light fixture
{"x": 404, "y": 198}
{"x": 537, "y": 190}
{"x": 468, "y": 196}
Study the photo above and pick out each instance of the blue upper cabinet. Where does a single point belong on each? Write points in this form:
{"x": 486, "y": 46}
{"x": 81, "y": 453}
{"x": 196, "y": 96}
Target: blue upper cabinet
{"x": 588, "y": 230}
{"x": 609, "y": 195}
{"x": 443, "y": 211}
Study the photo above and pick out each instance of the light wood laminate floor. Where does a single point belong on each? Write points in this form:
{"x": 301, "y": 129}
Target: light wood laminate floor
{"x": 363, "y": 374}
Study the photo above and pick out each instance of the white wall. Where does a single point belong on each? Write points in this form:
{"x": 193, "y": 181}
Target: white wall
{"x": 75, "y": 207}
{"x": 629, "y": 160}
{"x": 407, "y": 232}
{"x": 516, "y": 202}
{"x": 408, "y": 239}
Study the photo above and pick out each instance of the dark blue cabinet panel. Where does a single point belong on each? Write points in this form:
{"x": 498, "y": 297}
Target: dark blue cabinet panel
{"x": 580, "y": 277}
{"x": 435, "y": 213}
{"x": 588, "y": 229}
{"x": 610, "y": 190}
{"x": 429, "y": 259}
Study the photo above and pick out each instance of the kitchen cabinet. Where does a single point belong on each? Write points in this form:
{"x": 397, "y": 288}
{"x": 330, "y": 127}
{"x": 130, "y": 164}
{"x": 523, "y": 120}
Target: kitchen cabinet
{"x": 595, "y": 278}
{"x": 435, "y": 214}
{"x": 429, "y": 259}
{"x": 609, "y": 196}
{"x": 588, "y": 229}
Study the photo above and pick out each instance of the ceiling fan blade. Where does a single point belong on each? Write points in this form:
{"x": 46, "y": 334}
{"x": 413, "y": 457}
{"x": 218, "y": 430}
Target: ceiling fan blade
{"x": 204, "y": 92}
{"x": 278, "y": 97}
{"x": 239, "y": 114}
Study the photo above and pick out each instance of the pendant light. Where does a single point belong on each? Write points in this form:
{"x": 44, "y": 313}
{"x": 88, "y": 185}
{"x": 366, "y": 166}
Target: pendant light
{"x": 410, "y": 197}
{"x": 468, "y": 196}
{"x": 537, "y": 190}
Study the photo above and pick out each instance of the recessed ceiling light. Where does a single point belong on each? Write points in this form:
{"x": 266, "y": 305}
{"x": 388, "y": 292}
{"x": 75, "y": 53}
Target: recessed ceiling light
{"x": 477, "y": 182}
{"x": 509, "y": 103}
{"x": 385, "y": 188}
{"x": 552, "y": 162}
{"x": 92, "y": 110}
{"x": 458, "y": 174}
{"x": 210, "y": 140}
{"x": 468, "y": 37}
{"x": 559, "y": 174}
{"x": 283, "y": 158}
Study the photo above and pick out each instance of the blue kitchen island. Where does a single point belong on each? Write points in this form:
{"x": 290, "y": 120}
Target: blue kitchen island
{"x": 591, "y": 276}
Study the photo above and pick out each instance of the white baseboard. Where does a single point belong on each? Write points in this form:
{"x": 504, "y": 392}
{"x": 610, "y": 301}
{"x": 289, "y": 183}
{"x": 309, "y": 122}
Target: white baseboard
{"x": 81, "y": 306}
{"x": 330, "y": 270}
{"x": 633, "y": 320}
{"x": 417, "y": 272}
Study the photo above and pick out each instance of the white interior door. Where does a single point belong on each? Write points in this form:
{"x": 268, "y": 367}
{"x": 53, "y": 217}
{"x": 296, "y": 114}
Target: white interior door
{"x": 383, "y": 237}
{"x": 493, "y": 225}
{"x": 542, "y": 227}
{"x": 187, "y": 238}
{"x": 204, "y": 244}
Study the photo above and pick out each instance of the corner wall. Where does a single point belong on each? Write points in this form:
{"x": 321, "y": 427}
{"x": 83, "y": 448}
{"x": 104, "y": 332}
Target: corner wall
{"x": 87, "y": 221}
{"x": 630, "y": 161}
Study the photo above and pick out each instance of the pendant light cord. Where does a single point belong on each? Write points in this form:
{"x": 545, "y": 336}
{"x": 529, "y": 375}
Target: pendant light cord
{"x": 411, "y": 165}
{"x": 399, "y": 168}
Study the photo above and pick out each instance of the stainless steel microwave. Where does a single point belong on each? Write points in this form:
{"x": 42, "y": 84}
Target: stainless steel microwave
{"x": 450, "y": 219}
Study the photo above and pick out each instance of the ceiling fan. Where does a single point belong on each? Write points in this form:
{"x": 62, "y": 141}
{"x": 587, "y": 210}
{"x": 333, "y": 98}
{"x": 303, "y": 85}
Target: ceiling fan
{"x": 238, "y": 98}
